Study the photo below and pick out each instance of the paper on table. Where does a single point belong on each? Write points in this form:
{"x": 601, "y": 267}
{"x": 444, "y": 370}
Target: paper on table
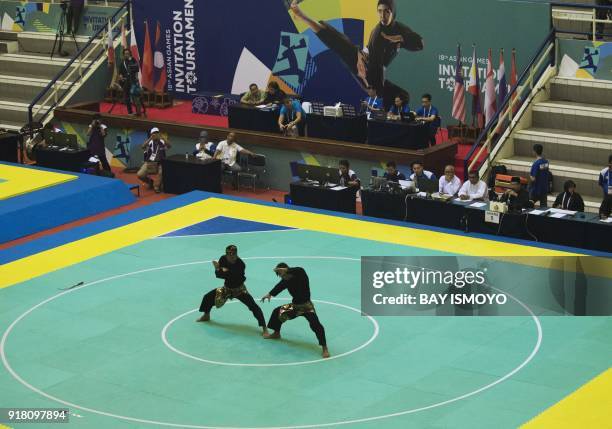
{"x": 478, "y": 204}
{"x": 609, "y": 220}
{"x": 537, "y": 212}
{"x": 567, "y": 212}
{"x": 558, "y": 215}
{"x": 338, "y": 188}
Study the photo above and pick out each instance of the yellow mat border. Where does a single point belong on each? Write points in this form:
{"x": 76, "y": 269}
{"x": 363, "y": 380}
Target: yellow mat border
{"x": 21, "y": 180}
{"x": 588, "y": 407}
{"x": 108, "y": 241}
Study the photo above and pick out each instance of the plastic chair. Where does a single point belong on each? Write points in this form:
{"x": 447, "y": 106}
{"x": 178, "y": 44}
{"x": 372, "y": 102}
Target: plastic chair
{"x": 252, "y": 168}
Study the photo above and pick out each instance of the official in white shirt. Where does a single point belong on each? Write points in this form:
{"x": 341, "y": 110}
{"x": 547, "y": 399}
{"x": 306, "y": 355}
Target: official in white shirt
{"x": 227, "y": 151}
{"x": 474, "y": 189}
{"x": 449, "y": 183}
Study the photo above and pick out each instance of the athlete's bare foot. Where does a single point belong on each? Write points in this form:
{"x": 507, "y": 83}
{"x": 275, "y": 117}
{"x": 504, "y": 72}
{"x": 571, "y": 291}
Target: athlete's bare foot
{"x": 205, "y": 318}
{"x": 325, "y": 353}
{"x": 272, "y": 336}
{"x": 265, "y": 332}
{"x": 296, "y": 9}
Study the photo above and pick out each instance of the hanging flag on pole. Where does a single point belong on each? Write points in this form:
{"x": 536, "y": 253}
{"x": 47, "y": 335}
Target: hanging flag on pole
{"x": 459, "y": 94}
{"x": 134, "y": 44}
{"x": 490, "y": 97}
{"x": 501, "y": 77}
{"x": 159, "y": 63}
{"x": 474, "y": 89}
{"x": 147, "y": 60}
{"x": 111, "y": 48}
{"x": 514, "y": 80}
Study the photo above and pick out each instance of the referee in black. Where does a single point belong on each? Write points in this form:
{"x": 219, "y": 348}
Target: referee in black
{"x": 231, "y": 269}
{"x": 295, "y": 280}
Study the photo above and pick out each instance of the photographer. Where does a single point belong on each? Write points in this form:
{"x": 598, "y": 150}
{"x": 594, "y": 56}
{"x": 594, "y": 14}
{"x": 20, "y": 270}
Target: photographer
{"x": 73, "y": 18}
{"x": 97, "y": 133}
{"x": 155, "y": 151}
{"x": 128, "y": 75}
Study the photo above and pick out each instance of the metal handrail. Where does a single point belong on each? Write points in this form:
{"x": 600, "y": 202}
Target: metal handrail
{"x": 594, "y": 21}
{"x": 507, "y": 107}
{"x": 93, "y": 40}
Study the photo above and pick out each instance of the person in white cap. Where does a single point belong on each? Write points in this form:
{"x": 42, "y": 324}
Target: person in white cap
{"x": 155, "y": 151}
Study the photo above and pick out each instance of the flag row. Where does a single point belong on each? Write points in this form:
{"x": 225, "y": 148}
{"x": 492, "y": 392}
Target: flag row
{"x": 482, "y": 114}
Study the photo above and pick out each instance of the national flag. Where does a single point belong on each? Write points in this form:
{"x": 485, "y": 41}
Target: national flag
{"x": 159, "y": 63}
{"x": 474, "y": 89}
{"x": 124, "y": 43}
{"x": 134, "y": 45}
{"x": 490, "y": 97}
{"x": 459, "y": 94}
{"x": 514, "y": 79}
{"x": 147, "y": 60}
{"x": 111, "y": 47}
{"x": 501, "y": 78}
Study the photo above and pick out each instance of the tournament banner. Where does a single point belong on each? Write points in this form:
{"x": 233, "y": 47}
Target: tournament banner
{"x": 331, "y": 50}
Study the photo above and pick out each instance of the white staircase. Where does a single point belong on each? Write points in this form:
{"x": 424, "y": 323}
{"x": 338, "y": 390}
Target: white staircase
{"x": 575, "y": 127}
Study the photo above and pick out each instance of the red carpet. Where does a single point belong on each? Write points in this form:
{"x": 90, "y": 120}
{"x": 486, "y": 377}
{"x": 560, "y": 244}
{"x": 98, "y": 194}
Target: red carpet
{"x": 180, "y": 113}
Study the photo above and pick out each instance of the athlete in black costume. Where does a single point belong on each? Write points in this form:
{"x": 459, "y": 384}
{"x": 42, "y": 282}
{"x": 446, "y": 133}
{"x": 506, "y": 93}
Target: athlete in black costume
{"x": 231, "y": 269}
{"x": 295, "y": 280}
{"x": 369, "y": 65}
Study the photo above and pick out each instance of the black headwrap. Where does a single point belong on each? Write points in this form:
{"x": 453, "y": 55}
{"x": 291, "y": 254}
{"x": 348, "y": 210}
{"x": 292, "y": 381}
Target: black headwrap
{"x": 389, "y": 3}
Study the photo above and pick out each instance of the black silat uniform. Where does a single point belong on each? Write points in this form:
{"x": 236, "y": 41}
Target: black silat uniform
{"x": 233, "y": 287}
{"x": 299, "y": 288}
{"x": 379, "y": 56}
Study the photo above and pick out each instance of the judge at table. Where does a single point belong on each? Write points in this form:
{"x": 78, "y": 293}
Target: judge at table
{"x": 516, "y": 196}
{"x": 474, "y": 189}
{"x": 347, "y": 177}
{"x": 400, "y": 109}
{"x": 254, "y": 96}
{"x": 392, "y": 175}
{"x": 449, "y": 184}
{"x": 569, "y": 199}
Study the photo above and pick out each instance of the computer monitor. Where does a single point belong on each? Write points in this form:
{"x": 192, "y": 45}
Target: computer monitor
{"x": 66, "y": 140}
{"x": 325, "y": 175}
{"x": 304, "y": 171}
{"x": 426, "y": 185}
{"x": 320, "y": 174}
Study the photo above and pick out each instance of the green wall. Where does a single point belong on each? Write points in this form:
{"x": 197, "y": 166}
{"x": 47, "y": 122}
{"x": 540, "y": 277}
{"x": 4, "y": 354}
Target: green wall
{"x": 491, "y": 24}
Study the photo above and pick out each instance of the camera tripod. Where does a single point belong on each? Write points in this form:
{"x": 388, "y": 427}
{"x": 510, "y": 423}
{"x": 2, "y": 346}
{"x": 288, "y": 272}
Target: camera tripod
{"x": 61, "y": 31}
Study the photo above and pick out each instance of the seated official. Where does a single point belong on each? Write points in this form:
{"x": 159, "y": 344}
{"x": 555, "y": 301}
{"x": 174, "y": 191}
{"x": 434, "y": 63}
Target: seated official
{"x": 400, "y": 109}
{"x": 274, "y": 95}
{"x": 155, "y": 148}
{"x": 227, "y": 151}
{"x": 392, "y": 175}
{"x": 347, "y": 176}
{"x": 516, "y": 196}
{"x": 291, "y": 114}
{"x": 569, "y": 199}
{"x": 204, "y": 148}
{"x": 418, "y": 172}
{"x": 449, "y": 184}
{"x": 254, "y": 96}
{"x": 373, "y": 103}
{"x": 429, "y": 114}
{"x": 605, "y": 210}
{"x": 474, "y": 189}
